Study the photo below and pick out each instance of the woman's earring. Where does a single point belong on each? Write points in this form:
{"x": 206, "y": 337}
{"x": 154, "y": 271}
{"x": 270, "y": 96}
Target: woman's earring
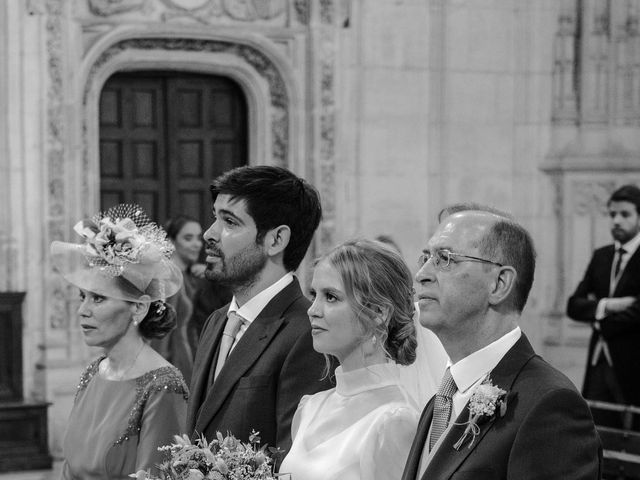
{"x": 374, "y": 340}
{"x": 135, "y": 322}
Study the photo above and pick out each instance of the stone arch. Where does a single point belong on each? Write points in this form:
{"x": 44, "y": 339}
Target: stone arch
{"x": 264, "y": 76}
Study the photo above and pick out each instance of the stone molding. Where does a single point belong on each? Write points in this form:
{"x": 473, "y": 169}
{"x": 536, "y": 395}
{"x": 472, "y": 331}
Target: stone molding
{"x": 205, "y": 12}
{"x": 596, "y": 73}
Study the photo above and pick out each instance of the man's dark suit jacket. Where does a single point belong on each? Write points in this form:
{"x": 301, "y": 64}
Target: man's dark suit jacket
{"x": 270, "y": 368}
{"x": 547, "y": 432}
{"x": 620, "y": 330}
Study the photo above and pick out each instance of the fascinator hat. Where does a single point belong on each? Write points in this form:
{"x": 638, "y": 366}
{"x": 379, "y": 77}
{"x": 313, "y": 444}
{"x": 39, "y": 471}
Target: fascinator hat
{"x": 124, "y": 256}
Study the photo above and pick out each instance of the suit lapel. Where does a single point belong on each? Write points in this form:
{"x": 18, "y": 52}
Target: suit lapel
{"x": 446, "y": 460}
{"x": 603, "y": 262}
{"x": 246, "y": 353}
{"x": 420, "y": 440}
{"x": 207, "y": 348}
{"x": 632, "y": 266}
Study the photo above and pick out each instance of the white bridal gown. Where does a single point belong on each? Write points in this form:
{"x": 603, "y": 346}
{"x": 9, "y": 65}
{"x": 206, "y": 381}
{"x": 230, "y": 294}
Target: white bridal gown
{"x": 360, "y": 430}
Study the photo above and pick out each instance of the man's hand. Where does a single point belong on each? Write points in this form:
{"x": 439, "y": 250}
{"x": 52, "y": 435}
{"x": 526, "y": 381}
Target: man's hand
{"x": 613, "y": 305}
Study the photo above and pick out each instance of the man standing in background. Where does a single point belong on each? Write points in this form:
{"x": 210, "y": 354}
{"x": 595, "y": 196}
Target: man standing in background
{"x": 607, "y": 298}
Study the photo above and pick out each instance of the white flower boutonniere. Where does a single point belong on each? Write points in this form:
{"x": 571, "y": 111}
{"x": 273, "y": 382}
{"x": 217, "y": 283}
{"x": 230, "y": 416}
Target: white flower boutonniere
{"x": 486, "y": 400}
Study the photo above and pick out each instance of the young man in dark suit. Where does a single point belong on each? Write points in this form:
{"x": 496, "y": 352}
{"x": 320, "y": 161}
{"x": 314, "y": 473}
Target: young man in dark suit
{"x": 607, "y": 298}
{"x": 255, "y": 358}
{"x": 501, "y": 411}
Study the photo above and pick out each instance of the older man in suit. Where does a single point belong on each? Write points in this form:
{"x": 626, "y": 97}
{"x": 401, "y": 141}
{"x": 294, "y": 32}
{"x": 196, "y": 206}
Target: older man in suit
{"x": 608, "y": 299}
{"x": 255, "y": 358}
{"x": 501, "y": 412}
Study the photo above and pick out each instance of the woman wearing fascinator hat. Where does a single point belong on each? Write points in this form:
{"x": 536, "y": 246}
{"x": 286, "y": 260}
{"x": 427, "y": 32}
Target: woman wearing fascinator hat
{"x": 130, "y": 400}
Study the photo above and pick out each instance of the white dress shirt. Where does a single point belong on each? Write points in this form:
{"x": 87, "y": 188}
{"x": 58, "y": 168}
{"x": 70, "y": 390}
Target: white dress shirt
{"x": 473, "y": 369}
{"x": 250, "y": 310}
{"x": 468, "y": 373}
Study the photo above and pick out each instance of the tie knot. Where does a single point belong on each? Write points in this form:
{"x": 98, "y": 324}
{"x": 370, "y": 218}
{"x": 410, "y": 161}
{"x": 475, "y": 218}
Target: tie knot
{"x": 234, "y": 322}
{"x": 448, "y": 385}
{"x": 621, "y": 251}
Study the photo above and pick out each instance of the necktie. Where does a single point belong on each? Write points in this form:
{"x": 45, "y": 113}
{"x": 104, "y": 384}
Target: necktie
{"x": 616, "y": 271}
{"x": 231, "y": 329}
{"x": 442, "y": 407}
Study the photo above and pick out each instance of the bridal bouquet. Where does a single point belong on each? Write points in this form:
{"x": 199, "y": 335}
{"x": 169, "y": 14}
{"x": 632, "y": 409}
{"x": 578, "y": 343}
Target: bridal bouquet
{"x": 224, "y": 458}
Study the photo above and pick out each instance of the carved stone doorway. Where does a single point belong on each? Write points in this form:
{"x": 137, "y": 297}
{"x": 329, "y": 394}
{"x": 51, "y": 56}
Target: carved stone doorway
{"x": 164, "y": 136}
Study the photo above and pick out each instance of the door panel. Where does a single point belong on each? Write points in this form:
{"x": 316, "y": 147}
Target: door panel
{"x": 165, "y": 136}
{"x": 132, "y": 140}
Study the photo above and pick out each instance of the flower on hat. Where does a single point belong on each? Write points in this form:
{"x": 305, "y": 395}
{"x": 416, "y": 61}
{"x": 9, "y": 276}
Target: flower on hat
{"x": 124, "y": 255}
{"x": 121, "y": 236}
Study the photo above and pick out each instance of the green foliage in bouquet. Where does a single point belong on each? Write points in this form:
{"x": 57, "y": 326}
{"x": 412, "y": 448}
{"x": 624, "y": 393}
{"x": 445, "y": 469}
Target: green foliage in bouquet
{"x": 224, "y": 458}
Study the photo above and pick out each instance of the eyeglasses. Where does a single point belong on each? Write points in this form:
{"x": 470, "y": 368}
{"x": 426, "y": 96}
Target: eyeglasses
{"x": 442, "y": 258}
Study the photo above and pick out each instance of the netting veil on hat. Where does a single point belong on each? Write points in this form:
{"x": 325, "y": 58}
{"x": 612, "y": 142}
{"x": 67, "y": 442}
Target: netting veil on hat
{"x": 125, "y": 256}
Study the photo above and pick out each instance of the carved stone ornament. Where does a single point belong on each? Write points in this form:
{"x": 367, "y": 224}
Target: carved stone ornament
{"x": 200, "y": 10}
{"x": 591, "y": 197}
{"x": 189, "y": 5}
{"x": 56, "y": 152}
{"x": 249, "y": 10}
{"x": 114, "y": 7}
{"x": 327, "y": 119}
{"x": 326, "y": 11}
{"x": 301, "y": 7}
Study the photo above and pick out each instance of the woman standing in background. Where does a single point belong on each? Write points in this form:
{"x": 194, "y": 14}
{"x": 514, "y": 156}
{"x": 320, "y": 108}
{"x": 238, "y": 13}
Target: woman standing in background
{"x": 185, "y": 233}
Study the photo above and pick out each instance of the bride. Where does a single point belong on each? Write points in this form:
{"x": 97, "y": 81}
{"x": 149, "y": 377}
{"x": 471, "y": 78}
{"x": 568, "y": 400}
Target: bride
{"x": 362, "y": 315}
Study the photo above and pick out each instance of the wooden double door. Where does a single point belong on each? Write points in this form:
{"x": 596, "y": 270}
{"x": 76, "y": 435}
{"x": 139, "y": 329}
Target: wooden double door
{"x": 164, "y": 136}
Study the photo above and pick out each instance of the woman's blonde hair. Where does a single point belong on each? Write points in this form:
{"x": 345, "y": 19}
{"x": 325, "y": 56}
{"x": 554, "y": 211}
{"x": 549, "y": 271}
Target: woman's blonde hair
{"x": 379, "y": 287}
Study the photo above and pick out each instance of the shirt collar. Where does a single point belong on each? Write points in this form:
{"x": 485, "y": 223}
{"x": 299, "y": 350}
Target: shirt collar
{"x": 631, "y": 246}
{"x": 250, "y": 310}
{"x": 469, "y": 370}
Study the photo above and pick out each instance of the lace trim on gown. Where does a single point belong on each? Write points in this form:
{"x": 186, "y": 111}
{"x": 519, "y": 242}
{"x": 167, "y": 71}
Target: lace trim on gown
{"x": 164, "y": 378}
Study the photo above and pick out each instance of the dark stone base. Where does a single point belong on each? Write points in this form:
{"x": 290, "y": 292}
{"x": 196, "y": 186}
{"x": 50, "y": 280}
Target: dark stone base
{"x": 23, "y": 436}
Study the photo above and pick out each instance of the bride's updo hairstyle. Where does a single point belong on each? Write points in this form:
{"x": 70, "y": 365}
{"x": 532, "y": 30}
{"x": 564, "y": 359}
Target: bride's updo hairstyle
{"x": 379, "y": 287}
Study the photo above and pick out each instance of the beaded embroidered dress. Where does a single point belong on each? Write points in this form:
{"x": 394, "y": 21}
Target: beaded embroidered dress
{"x": 361, "y": 430}
{"x": 116, "y": 427}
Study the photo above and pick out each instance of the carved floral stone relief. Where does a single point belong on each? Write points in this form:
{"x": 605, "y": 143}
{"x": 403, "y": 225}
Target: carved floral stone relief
{"x": 203, "y": 11}
{"x": 596, "y": 75}
{"x": 591, "y": 197}
{"x": 55, "y": 142}
{"x": 115, "y": 7}
{"x": 301, "y": 9}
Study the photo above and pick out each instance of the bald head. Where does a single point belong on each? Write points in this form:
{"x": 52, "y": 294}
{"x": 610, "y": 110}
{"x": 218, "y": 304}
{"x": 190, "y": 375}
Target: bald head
{"x": 470, "y": 206}
{"x": 501, "y": 238}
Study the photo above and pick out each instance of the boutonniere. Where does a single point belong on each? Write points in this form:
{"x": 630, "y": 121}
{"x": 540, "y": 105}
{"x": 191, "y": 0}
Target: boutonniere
{"x": 486, "y": 400}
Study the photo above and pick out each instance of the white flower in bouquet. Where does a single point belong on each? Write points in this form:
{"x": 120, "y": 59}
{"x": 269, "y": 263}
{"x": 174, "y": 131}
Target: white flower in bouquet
{"x": 224, "y": 458}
